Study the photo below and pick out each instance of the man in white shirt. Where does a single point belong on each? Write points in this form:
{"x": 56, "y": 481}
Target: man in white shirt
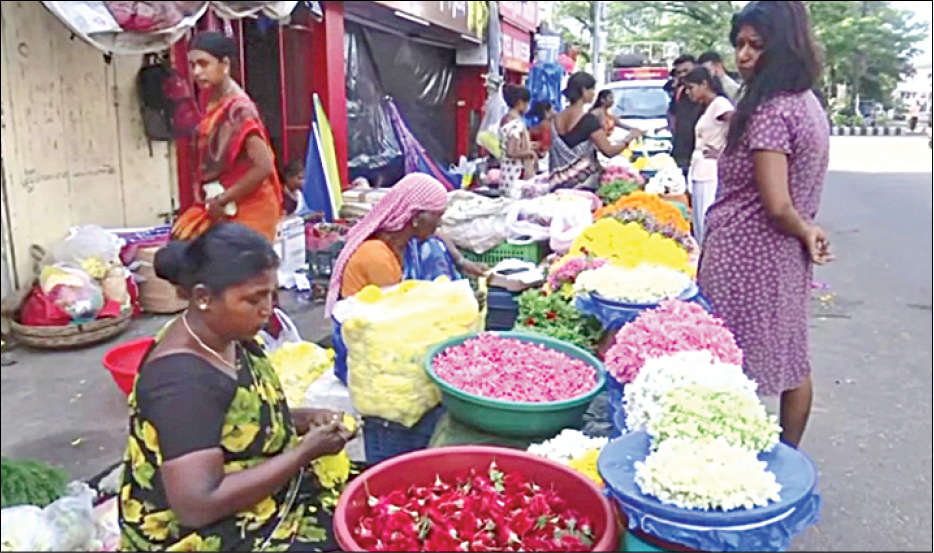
{"x": 714, "y": 63}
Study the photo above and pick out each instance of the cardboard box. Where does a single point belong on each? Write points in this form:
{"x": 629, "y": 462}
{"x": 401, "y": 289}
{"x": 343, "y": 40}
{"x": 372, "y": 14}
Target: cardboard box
{"x": 290, "y": 244}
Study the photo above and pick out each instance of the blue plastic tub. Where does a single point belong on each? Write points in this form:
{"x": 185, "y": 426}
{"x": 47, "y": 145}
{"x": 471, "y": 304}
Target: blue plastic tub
{"x": 340, "y": 352}
{"x": 614, "y": 314}
{"x": 614, "y": 400}
{"x": 383, "y": 439}
{"x": 769, "y": 528}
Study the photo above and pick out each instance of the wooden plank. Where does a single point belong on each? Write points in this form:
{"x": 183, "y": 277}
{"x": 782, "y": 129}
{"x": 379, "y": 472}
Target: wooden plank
{"x": 37, "y": 178}
{"x": 91, "y": 140}
{"x": 147, "y": 178}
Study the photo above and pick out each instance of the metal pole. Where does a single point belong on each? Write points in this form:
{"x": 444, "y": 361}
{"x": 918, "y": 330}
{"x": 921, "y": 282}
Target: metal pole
{"x": 596, "y": 43}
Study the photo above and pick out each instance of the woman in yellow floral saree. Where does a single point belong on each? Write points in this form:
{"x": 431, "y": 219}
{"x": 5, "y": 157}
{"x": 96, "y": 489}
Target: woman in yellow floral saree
{"x": 237, "y": 179}
{"x": 215, "y": 459}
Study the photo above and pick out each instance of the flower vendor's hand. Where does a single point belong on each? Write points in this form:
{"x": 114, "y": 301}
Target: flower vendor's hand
{"x": 215, "y": 208}
{"x": 818, "y": 245}
{"x": 306, "y": 418}
{"x": 327, "y": 439}
{"x": 474, "y": 268}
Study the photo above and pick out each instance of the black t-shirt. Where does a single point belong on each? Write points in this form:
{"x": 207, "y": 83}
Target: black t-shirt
{"x": 187, "y": 400}
{"x": 582, "y": 130}
{"x": 686, "y": 113}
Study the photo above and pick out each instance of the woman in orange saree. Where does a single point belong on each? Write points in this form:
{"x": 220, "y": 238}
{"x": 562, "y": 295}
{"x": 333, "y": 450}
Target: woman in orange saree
{"x": 237, "y": 179}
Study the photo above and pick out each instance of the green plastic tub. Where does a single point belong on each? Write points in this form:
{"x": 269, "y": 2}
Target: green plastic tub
{"x": 511, "y": 418}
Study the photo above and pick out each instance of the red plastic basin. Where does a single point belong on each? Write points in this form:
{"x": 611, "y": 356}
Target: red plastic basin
{"x": 123, "y": 361}
{"x": 420, "y": 468}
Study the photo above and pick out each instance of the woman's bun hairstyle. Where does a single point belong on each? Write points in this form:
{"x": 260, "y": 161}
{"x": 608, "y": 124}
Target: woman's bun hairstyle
{"x": 226, "y": 255}
{"x": 577, "y": 84}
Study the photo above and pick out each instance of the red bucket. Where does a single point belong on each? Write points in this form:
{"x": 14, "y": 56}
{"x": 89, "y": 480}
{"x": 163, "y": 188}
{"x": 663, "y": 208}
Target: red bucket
{"x": 421, "y": 467}
{"x": 124, "y": 361}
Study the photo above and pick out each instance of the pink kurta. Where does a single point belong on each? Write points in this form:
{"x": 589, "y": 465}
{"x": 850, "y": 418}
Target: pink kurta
{"x": 758, "y": 279}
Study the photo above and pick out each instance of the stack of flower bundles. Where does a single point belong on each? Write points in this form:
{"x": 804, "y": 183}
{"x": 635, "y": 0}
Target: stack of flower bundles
{"x": 388, "y": 333}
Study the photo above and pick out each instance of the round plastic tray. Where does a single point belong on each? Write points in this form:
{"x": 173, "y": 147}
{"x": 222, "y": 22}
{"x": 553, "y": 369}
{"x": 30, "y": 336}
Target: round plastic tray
{"x": 512, "y": 418}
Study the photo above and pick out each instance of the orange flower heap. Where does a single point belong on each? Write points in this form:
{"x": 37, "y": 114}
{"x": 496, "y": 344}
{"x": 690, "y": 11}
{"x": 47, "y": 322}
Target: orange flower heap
{"x": 663, "y": 211}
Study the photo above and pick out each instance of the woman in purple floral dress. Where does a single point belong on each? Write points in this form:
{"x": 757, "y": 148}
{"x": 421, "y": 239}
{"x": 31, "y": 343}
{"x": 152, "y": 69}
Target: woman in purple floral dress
{"x": 761, "y": 241}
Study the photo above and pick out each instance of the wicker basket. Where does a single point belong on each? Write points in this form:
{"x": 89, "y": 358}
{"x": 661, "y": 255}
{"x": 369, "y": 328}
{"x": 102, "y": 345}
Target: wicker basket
{"x": 70, "y": 336}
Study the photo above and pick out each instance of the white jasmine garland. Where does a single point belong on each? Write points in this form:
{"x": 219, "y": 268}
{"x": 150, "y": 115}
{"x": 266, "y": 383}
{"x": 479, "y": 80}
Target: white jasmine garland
{"x": 698, "y": 412}
{"x": 642, "y": 398}
{"x": 644, "y": 284}
{"x": 566, "y": 446}
{"x": 707, "y": 474}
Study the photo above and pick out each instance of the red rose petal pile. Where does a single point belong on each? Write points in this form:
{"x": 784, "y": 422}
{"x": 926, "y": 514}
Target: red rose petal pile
{"x": 513, "y": 370}
{"x": 495, "y": 511}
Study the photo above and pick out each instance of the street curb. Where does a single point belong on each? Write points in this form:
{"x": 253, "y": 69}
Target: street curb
{"x": 868, "y": 131}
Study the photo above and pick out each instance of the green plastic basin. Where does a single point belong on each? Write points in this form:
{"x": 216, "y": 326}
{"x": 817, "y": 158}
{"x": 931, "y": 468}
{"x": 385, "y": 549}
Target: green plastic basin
{"x": 513, "y": 418}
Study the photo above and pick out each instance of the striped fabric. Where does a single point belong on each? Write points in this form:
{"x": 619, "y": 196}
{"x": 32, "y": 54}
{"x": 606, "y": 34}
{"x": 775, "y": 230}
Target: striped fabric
{"x": 415, "y": 192}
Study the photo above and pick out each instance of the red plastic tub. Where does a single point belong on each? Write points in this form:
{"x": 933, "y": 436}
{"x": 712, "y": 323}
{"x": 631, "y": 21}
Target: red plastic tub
{"x": 420, "y": 468}
{"x": 124, "y": 361}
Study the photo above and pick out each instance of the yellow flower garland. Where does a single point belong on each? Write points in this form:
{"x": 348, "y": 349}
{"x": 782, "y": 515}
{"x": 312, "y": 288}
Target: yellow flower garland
{"x": 629, "y": 244}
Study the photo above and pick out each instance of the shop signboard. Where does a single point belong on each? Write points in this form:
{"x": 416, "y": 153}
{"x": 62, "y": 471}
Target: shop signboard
{"x": 547, "y": 47}
{"x": 517, "y": 48}
{"x": 523, "y": 15}
{"x": 453, "y": 16}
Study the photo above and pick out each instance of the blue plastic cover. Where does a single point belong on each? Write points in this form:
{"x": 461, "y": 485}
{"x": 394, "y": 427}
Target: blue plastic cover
{"x": 614, "y": 314}
{"x": 428, "y": 260}
{"x": 769, "y": 528}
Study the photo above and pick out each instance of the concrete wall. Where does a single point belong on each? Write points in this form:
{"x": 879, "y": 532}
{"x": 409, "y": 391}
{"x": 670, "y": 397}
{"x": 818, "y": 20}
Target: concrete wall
{"x": 72, "y": 140}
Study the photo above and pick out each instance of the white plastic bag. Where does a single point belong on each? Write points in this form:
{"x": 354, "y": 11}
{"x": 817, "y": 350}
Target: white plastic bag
{"x": 488, "y": 134}
{"x": 68, "y": 524}
{"x": 289, "y": 333}
{"x": 567, "y": 224}
{"x": 90, "y": 247}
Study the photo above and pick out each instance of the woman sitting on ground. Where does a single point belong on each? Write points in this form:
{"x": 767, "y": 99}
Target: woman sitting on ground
{"x": 215, "y": 459}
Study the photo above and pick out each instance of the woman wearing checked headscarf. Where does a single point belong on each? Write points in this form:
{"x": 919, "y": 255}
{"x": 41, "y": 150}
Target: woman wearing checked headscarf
{"x": 375, "y": 249}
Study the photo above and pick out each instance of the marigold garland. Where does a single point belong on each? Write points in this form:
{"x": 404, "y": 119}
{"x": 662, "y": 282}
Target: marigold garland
{"x": 629, "y": 245}
{"x": 663, "y": 211}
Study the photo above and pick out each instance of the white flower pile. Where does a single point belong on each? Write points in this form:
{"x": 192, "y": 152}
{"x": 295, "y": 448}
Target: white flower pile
{"x": 706, "y": 474}
{"x": 645, "y": 284}
{"x": 698, "y": 412}
{"x": 566, "y": 446}
{"x": 642, "y": 398}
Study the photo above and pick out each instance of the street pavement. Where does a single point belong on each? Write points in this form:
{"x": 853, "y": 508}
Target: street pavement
{"x": 871, "y": 341}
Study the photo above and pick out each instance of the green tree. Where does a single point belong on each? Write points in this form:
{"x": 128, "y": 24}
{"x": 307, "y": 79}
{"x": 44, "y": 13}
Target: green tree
{"x": 867, "y": 45}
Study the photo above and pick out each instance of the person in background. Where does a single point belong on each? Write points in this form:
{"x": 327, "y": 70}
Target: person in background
{"x": 235, "y": 157}
{"x": 543, "y": 112}
{"x": 577, "y": 134}
{"x": 683, "y": 114}
{"x": 913, "y": 114}
{"x": 761, "y": 240}
{"x": 519, "y": 157}
{"x": 215, "y": 459}
{"x": 374, "y": 251}
{"x": 709, "y": 141}
{"x": 294, "y": 200}
{"x": 714, "y": 64}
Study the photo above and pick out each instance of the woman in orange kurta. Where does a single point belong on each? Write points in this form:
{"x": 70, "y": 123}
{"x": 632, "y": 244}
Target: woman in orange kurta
{"x": 233, "y": 147}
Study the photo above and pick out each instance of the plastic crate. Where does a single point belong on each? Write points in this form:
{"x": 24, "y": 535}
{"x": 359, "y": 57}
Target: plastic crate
{"x": 532, "y": 253}
{"x": 384, "y": 439}
{"x": 502, "y": 309}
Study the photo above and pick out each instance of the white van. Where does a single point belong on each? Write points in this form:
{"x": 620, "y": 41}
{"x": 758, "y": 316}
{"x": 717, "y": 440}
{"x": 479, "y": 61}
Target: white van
{"x": 643, "y": 104}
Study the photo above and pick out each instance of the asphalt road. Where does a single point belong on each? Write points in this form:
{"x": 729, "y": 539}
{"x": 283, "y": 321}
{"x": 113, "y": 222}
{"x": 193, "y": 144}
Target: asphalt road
{"x": 870, "y": 431}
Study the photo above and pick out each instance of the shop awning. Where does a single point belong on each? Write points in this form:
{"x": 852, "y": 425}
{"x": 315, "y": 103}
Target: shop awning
{"x": 146, "y": 27}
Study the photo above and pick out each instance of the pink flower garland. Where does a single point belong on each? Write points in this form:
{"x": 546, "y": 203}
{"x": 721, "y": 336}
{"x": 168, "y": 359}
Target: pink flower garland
{"x": 672, "y": 327}
{"x": 569, "y": 270}
{"x": 513, "y": 370}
